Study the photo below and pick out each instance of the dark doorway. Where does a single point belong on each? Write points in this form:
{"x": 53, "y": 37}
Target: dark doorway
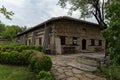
{"x": 83, "y": 44}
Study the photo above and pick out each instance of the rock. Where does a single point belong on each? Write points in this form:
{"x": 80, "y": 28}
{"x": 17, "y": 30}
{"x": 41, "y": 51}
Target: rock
{"x": 78, "y": 76}
{"x": 91, "y": 76}
{"x": 76, "y": 71}
{"x": 61, "y": 77}
{"x": 60, "y": 70}
{"x": 72, "y": 78}
{"x": 98, "y": 78}
{"x": 69, "y": 73}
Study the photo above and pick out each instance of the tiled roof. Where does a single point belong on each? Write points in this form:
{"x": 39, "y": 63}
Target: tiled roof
{"x": 55, "y": 19}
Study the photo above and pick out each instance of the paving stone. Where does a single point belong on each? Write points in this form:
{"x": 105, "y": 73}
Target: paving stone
{"x": 77, "y": 71}
{"x": 60, "y": 70}
{"x": 65, "y": 68}
{"x": 68, "y": 73}
{"x": 78, "y": 76}
{"x": 56, "y": 74}
{"x": 98, "y": 78}
{"x": 61, "y": 77}
{"x": 69, "y": 67}
{"x": 72, "y": 78}
{"x": 91, "y": 76}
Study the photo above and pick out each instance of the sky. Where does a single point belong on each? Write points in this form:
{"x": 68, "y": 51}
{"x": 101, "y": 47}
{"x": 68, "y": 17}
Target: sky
{"x": 32, "y": 12}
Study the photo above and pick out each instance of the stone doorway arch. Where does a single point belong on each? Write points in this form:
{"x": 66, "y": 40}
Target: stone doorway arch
{"x": 84, "y": 44}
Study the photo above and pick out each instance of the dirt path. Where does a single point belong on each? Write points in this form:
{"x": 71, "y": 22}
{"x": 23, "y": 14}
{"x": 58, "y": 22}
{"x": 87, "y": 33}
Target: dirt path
{"x": 67, "y": 67}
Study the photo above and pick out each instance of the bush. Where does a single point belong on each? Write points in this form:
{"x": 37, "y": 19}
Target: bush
{"x": 4, "y": 57}
{"x": 27, "y": 55}
{"x": 7, "y": 48}
{"x": 24, "y": 47}
{"x": 39, "y": 48}
{"x": 112, "y": 72}
{"x": 42, "y": 75}
{"x": 40, "y": 62}
{"x": 13, "y": 57}
{"x": 16, "y": 58}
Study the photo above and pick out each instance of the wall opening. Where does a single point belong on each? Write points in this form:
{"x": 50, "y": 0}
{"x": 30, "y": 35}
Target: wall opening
{"x": 83, "y": 44}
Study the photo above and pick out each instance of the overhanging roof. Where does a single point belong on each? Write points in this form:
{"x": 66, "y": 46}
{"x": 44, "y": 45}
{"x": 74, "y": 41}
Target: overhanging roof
{"x": 55, "y": 19}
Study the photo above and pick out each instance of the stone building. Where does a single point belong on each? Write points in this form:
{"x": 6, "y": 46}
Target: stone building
{"x": 62, "y": 35}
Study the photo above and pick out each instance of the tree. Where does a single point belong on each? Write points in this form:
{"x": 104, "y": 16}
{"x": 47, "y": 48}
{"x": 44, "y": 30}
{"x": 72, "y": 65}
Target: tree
{"x": 88, "y": 8}
{"x": 112, "y": 33}
{"x": 2, "y": 27}
{"x": 6, "y": 13}
{"x": 11, "y": 31}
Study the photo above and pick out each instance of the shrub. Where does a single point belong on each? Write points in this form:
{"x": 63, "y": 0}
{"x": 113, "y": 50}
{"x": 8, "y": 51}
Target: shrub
{"x": 40, "y": 62}
{"x": 39, "y": 48}
{"x": 42, "y": 75}
{"x": 4, "y": 57}
{"x": 16, "y": 58}
{"x": 6, "y": 48}
{"x": 111, "y": 73}
{"x": 24, "y": 47}
{"x": 26, "y": 55}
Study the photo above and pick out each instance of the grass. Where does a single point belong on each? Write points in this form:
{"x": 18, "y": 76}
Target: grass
{"x": 15, "y": 73}
{"x": 111, "y": 73}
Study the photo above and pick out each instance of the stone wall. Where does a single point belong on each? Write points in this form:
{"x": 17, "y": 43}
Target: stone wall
{"x": 49, "y": 32}
{"x": 3, "y": 41}
{"x": 71, "y": 29}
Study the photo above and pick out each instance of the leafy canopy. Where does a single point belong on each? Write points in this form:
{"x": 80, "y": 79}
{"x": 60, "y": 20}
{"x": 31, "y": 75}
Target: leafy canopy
{"x": 88, "y": 8}
{"x": 10, "y": 31}
{"x": 6, "y": 13}
{"x": 112, "y": 33}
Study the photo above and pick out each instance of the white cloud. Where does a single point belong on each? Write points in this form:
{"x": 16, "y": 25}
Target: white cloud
{"x": 33, "y": 12}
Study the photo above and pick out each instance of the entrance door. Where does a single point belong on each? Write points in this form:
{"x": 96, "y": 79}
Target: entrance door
{"x": 58, "y": 45}
{"x": 83, "y": 44}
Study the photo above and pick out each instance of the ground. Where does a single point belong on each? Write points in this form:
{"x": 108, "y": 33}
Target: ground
{"x": 9, "y": 72}
{"x": 76, "y": 66}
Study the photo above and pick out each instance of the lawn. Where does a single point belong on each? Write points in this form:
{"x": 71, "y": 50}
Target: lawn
{"x": 15, "y": 73}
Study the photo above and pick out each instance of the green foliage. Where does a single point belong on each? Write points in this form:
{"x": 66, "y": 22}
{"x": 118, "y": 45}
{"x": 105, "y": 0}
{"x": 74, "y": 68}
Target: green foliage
{"x": 112, "y": 33}
{"x": 88, "y": 8}
{"x": 112, "y": 72}
{"x": 6, "y": 13}
{"x": 39, "y": 48}
{"x": 10, "y": 31}
{"x": 4, "y": 57}
{"x": 85, "y": 6}
{"x": 16, "y": 58}
{"x": 2, "y": 28}
{"x": 13, "y": 57}
{"x": 26, "y": 54}
{"x": 16, "y": 54}
{"x": 42, "y": 75}
{"x": 16, "y": 47}
{"x": 40, "y": 62}
{"x": 9, "y": 72}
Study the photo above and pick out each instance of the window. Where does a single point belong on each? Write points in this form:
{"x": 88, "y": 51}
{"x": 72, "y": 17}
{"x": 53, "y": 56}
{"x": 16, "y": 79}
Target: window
{"x": 84, "y": 31}
{"x": 62, "y": 40}
{"x": 29, "y": 42}
{"x": 40, "y": 41}
{"x": 92, "y": 42}
{"x": 74, "y": 41}
{"x": 100, "y": 43}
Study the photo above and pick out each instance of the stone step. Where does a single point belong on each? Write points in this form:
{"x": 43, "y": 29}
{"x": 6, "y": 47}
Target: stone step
{"x": 82, "y": 67}
{"x": 87, "y": 62}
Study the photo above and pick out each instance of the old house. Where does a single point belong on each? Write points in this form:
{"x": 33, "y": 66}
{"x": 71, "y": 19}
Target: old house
{"x": 62, "y": 35}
